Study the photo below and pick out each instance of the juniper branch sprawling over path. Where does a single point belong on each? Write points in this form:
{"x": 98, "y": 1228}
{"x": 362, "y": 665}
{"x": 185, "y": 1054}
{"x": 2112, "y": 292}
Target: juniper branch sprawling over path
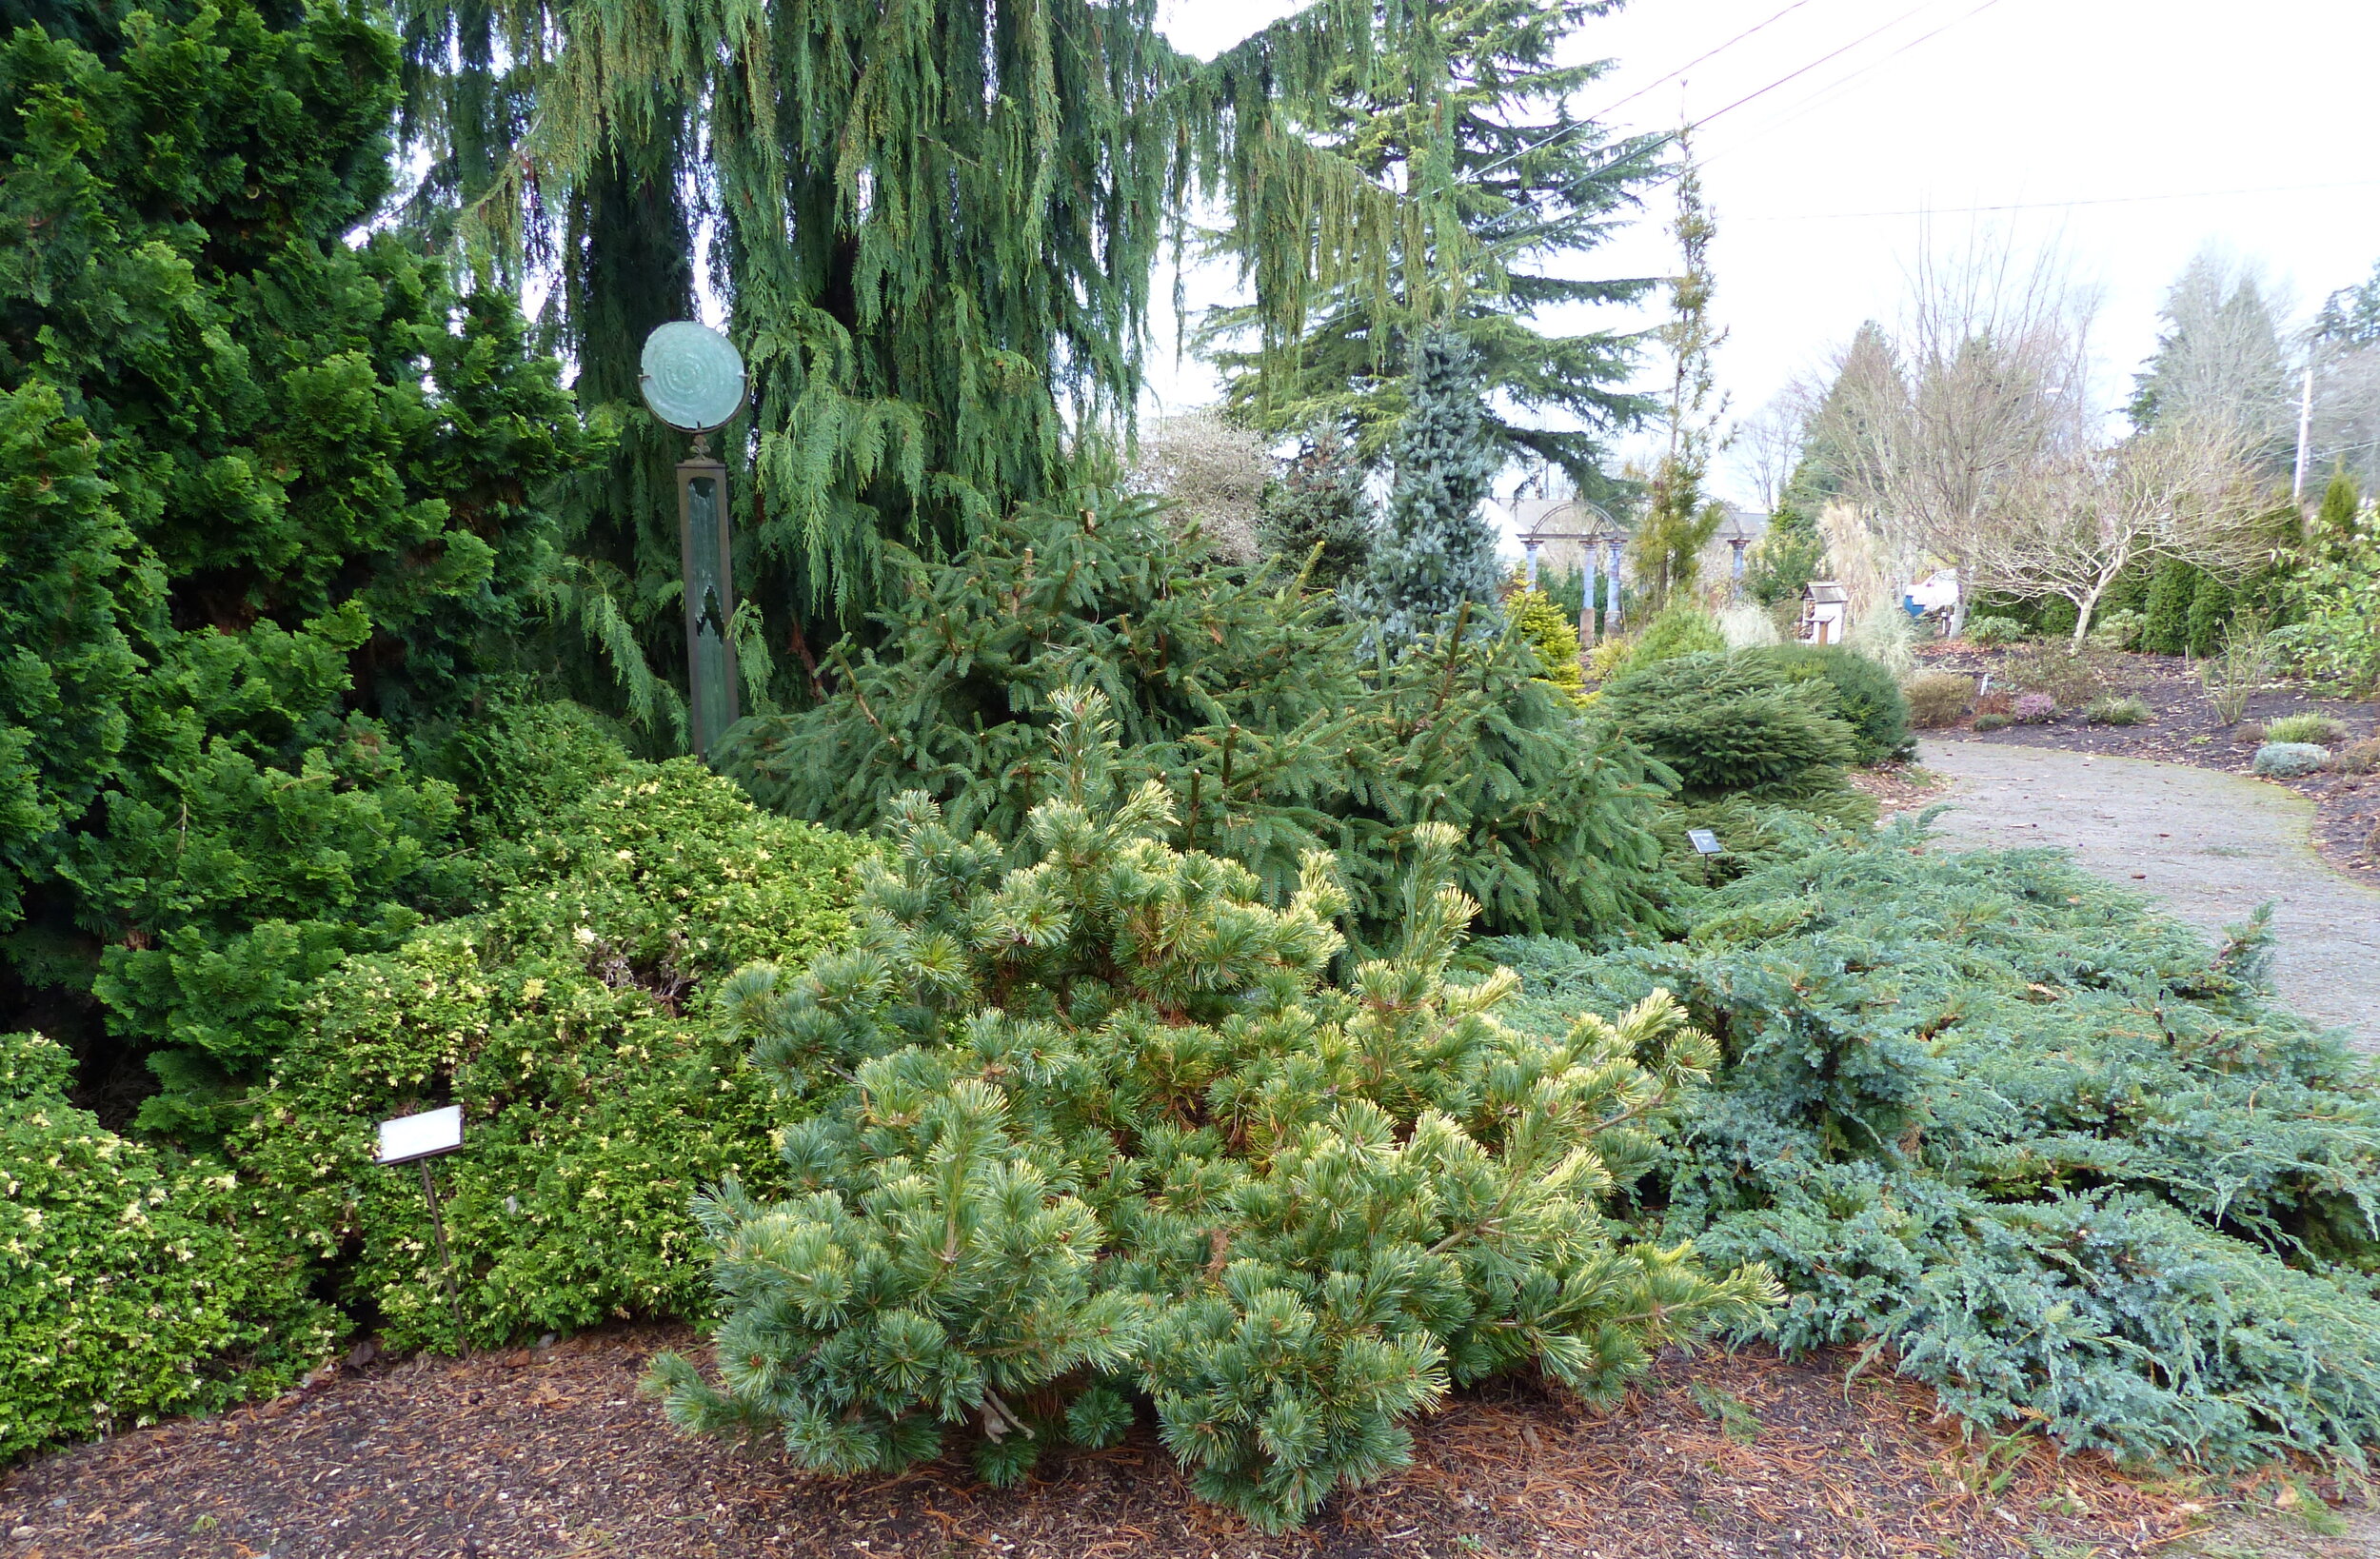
{"x": 1981, "y": 1109}
{"x": 1097, "y": 1132}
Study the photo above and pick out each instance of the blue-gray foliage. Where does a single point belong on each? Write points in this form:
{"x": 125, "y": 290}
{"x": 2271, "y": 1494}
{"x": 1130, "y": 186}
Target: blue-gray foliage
{"x": 2289, "y": 760}
{"x": 2046, "y": 1152}
{"x": 1435, "y": 552}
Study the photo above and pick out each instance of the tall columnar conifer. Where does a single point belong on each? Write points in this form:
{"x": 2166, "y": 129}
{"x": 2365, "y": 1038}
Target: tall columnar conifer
{"x": 1435, "y": 560}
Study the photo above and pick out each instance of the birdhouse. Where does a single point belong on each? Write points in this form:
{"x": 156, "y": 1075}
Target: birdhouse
{"x": 1825, "y": 613}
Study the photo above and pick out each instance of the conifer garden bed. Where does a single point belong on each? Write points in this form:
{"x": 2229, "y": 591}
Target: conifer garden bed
{"x": 553, "y": 1451}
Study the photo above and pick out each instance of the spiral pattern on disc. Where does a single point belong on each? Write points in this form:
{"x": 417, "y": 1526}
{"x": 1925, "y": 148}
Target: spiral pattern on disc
{"x": 693, "y": 378}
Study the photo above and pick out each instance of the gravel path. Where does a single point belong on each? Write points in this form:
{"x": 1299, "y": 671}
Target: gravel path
{"x": 2209, "y": 846}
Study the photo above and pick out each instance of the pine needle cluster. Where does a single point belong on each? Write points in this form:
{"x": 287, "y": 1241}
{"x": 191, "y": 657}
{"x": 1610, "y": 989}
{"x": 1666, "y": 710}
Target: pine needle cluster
{"x": 1099, "y": 1133}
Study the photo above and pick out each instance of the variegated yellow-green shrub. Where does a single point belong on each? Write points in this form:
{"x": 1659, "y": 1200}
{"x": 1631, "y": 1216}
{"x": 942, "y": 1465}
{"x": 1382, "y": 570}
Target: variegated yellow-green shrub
{"x": 132, "y": 1285}
{"x": 570, "y": 1021}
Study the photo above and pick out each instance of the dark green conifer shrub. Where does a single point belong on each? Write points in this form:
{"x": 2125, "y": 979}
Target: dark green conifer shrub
{"x": 133, "y": 1284}
{"x": 1097, "y": 1132}
{"x": 2073, "y": 1170}
{"x": 2165, "y": 630}
{"x": 1732, "y": 724}
{"x": 1316, "y": 517}
{"x": 1677, "y": 629}
{"x": 2211, "y": 606}
{"x": 1278, "y": 731}
{"x": 1867, "y": 697}
{"x": 269, "y": 513}
{"x": 574, "y": 1022}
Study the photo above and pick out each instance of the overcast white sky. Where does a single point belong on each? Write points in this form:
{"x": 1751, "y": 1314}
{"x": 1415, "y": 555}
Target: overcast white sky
{"x": 2131, "y": 133}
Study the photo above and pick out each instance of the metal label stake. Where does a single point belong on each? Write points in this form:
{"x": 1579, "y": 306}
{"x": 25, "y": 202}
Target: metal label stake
{"x": 417, "y": 1140}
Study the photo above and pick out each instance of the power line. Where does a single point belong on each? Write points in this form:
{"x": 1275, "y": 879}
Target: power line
{"x": 1847, "y": 48}
{"x": 1609, "y": 108}
{"x": 1828, "y": 91}
{"x": 2061, "y": 204}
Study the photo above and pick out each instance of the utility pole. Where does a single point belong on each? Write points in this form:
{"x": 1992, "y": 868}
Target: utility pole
{"x": 2305, "y": 435}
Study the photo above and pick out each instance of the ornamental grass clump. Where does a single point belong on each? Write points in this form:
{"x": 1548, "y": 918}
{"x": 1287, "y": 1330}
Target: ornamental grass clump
{"x": 2068, "y": 1168}
{"x": 1098, "y": 1136}
{"x": 2316, "y": 730}
{"x": 1939, "y": 697}
{"x": 2110, "y": 710}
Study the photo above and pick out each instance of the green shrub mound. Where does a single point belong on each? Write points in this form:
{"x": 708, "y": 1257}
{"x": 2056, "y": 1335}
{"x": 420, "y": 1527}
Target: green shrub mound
{"x": 132, "y": 1286}
{"x": 2311, "y": 728}
{"x": 1110, "y": 1137}
{"x": 1978, "y": 1110}
{"x": 572, "y": 1021}
{"x": 1253, "y": 707}
{"x": 1867, "y": 695}
{"x": 1734, "y": 724}
{"x": 1939, "y": 697}
{"x": 1993, "y": 631}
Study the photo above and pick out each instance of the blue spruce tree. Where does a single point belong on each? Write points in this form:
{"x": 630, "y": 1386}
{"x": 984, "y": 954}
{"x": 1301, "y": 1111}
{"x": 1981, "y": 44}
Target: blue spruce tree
{"x": 1435, "y": 552}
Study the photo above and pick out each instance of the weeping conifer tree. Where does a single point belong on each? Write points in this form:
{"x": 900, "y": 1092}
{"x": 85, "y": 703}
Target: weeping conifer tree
{"x": 933, "y": 228}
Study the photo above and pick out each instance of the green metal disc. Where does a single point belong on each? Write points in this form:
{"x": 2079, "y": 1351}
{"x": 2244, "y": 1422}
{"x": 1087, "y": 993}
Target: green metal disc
{"x": 693, "y": 377}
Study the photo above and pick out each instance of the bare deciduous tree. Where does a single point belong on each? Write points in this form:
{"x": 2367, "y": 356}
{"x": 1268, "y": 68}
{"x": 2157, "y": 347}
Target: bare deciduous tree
{"x": 1211, "y": 471}
{"x": 2187, "y": 488}
{"x": 1931, "y": 430}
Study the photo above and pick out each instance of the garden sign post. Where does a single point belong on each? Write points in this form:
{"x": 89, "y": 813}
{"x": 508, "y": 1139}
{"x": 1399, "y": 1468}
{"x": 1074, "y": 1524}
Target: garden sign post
{"x": 417, "y": 1140}
{"x": 693, "y": 380}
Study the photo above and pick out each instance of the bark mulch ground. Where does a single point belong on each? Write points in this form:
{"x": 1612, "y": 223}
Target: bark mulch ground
{"x": 2184, "y": 730}
{"x": 554, "y": 1452}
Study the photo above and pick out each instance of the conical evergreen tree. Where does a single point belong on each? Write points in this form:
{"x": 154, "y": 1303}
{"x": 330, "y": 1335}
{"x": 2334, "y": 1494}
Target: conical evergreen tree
{"x": 1471, "y": 110}
{"x": 1318, "y": 502}
{"x": 1436, "y": 555}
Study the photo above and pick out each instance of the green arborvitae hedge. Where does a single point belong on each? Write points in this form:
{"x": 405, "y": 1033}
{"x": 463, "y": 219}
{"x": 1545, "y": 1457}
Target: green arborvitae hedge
{"x": 1280, "y": 734}
{"x": 573, "y": 1022}
{"x": 1110, "y": 1138}
{"x": 1983, "y": 1109}
{"x": 133, "y": 1284}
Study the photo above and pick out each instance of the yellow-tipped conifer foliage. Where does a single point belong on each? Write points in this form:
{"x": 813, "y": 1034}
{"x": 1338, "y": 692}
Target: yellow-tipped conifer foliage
{"x": 1101, "y": 1135}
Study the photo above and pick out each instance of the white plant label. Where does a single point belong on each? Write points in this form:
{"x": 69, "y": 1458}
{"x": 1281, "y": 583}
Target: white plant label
{"x": 424, "y": 1136}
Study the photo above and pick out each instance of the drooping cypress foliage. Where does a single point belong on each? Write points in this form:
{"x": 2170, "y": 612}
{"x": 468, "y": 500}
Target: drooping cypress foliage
{"x": 271, "y": 512}
{"x": 932, "y": 228}
{"x": 1253, "y": 706}
{"x": 1435, "y": 557}
{"x": 1110, "y": 1137}
{"x": 1469, "y": 109}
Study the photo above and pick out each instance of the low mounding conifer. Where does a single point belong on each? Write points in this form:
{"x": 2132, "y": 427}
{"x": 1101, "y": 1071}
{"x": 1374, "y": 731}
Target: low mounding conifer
{"x": 1272, "y": 728}
{"x": 1101, "y": 1133}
